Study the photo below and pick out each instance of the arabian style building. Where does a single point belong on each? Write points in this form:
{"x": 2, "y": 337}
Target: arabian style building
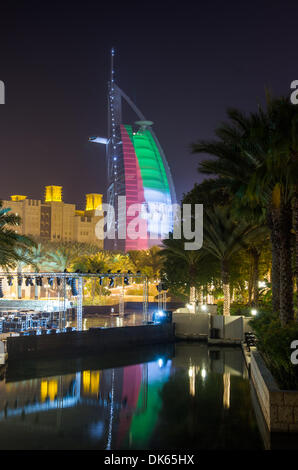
{"x": 55, "y": 220}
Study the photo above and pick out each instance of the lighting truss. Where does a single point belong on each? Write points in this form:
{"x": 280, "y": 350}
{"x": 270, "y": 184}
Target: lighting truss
{"x": 80, "y": 277}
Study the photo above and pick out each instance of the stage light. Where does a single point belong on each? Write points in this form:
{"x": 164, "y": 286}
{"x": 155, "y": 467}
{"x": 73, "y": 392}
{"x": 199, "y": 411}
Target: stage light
{"x": 73, "y": 287}
{"x": 38, "y": 281}
{"x": 162, "y": 316}
{"x": 58, "y": 280}
{"x": 111, "y": 284}
{"x": 29, "y": 281}
{"x": 126, "y": 281}
{"x": 10, "y": 280}
{"x": 51, "y": 281}
{"x": 20, "y": 281}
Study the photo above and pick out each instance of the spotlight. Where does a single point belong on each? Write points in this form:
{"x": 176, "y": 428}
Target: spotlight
{"x": 111, "y": 282}
{"x": 10, "y": 280}
{"x": 254, "y": 312}
{"x": 162, "y": 316}
{"x": 101, "y": 280}
{"x": 69, "y": 281}
{"x": 73, "y": 287}
{"x": 38, "y": 281}
{"x": 58, "y": 280}
{"x": 50, "y": 281}
{"x": 20, "y": 280}
{"x": 126, "y": 282}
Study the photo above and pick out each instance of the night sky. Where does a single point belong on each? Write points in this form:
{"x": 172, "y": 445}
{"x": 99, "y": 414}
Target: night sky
{"x": 183, "y": 63}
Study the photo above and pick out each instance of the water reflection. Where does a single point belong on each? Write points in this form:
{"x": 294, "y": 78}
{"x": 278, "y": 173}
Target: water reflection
{"x": 197, "y": 398}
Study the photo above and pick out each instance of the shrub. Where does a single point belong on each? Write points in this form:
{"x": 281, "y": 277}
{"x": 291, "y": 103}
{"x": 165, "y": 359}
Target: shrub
{"x": 274, "y": 343}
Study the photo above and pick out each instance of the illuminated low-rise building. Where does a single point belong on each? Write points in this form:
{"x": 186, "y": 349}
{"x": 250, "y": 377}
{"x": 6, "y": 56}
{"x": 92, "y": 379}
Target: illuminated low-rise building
{"x": 56, "y": 220}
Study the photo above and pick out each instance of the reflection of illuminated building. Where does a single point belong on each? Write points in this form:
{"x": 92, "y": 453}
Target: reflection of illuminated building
{"x": 90, "y": 381}
{"x": 48, "y": 389}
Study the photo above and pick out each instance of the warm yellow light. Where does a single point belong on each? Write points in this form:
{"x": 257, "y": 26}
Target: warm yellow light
{"x": 91, "y": 381}
{"x": 17, "y": 197}
{"x": 93, "y": 202}
{"x": 53, "y": 194}
{"x": 94, "y": 386}
{"x": 48, "y": 389}
{"x": 43, "y": 390}
{"x": 52, "y": 389}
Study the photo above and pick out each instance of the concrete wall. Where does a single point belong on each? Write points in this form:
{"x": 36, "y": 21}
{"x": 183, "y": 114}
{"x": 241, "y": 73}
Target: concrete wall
{"x": 90, "y": 341}
{"x": 279, "y": 407}
{"x": 191, "y": 325}
{"x": 198, "y": 326}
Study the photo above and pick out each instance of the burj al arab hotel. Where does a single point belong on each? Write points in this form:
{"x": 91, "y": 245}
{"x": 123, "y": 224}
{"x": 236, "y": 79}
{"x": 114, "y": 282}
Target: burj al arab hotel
{"x": 137, "y": 169}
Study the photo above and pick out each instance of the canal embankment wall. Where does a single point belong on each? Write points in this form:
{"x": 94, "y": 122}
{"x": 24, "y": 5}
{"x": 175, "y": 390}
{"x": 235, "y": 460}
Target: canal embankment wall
{"x": 279, "y": 407}
{"x": 94, "y": 340}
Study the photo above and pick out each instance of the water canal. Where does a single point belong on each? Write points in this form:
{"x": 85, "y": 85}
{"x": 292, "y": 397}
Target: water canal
{"x": 186, "y": 396}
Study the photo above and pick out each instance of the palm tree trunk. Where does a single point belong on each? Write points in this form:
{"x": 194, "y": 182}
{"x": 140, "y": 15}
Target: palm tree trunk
{"x": 256, "y": 259}
{"x": 226, "y": 287}
{"x": 295, "y": 225}
{"x": 286, "y": 273}
{"x": 275, "y": 250}
{"x": 192, "y": 295}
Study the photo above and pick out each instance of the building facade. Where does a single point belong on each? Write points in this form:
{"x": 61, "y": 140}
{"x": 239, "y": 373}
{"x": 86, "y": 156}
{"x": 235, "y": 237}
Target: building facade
{"x": 137, "y": 169}
{"x": 55, "y": 220}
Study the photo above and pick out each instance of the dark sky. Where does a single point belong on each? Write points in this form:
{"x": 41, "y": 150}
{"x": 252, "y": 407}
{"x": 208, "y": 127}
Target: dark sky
{"x": 182, "y": 62}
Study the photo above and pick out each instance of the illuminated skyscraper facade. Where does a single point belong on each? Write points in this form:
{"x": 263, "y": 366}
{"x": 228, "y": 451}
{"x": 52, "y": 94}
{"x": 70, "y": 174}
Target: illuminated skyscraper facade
{"x": 137, "y": 169}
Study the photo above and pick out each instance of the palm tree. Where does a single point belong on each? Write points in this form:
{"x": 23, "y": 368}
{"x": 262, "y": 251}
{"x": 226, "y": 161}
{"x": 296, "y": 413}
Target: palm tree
{"x": 182, "y": 267}
{"x": 149, "y": 261}
{"x": 223, "y": 238}
{"x": 10, "y": 240}
{"x": 255, "y": 159}
{"x": 93, "y": 262}
{"x": 37, "y": 260}
{"x": 58, "y": 260}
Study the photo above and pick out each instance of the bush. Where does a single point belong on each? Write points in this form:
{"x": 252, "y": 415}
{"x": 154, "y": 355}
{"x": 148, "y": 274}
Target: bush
{"x": 274, "y": 343}
{"x": 242, "y": 309}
